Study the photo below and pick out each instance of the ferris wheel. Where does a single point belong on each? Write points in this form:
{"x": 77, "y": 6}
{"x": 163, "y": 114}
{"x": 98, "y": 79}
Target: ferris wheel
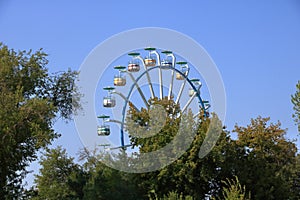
{"x": 139, "y": 68}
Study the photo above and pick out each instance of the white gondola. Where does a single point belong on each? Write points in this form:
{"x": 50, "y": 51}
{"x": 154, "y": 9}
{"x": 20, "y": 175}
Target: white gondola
{"x": 133, "y": 67}
{"x": 109, "y": 102}
{"x": 119, "y": 80}
{"x": 103, "y": 130}
{"x": 166, "y": 63}
{"x": 150, "y": 62}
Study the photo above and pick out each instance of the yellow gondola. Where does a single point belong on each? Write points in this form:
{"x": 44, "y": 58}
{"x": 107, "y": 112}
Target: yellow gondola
{"x": 179, "y": 76}
{"x": 119, "y": 80}
{"x": 150, "y": 62}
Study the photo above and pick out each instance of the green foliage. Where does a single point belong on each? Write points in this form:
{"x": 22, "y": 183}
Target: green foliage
{"x": 189, "y": 175}
{"x": 64, "y": 93}
{"x": 105, "y": 182}
{"x": 261, "y": 162}
{"x": 60, "y": 177}
{"x": 265, "y": 159}
{"x": 30, "y": 100}
{"x": 296, "y": 102}
{"x": 139, "y": 124}
{"x": 232, "y": 190}
{"x": 170, "y": 196}
{"x": 294, "y": 179}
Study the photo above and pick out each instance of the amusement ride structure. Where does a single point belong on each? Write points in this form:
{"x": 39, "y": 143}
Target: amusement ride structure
{"x": 142, "y": 67}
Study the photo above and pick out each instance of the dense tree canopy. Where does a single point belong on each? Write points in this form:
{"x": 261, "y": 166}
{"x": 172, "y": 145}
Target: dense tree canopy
{"x": 31, "y": 98}
{"x": 189, "y": 175}
{"x": 265, "y": 159}
{"x": 60, "y": 177}
{"x": 261, "y": 163}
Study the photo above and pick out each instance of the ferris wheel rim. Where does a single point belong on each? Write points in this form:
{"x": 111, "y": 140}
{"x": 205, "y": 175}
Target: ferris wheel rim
{"x": 144, "y": 73}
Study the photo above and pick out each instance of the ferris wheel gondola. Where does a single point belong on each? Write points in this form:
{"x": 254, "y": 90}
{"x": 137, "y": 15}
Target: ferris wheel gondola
{"x": 109, "y": 101}
{"x": 120, "y": 79}
{"x": 104, "y": 129}
{"x": 184, "y": 70}
{"x": 150, "y": 60}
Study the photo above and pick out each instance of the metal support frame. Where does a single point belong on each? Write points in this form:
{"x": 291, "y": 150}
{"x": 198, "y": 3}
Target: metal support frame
{"x": 139, "y": 89}
{"x": 188, "y": 103}
{"x": 182, "y": 85}
{"x": 196, "y": 94}
{"x": 123, "y": 97}
{"x": 114, "y": 121}
{"x": 148, "y": 77}
{"x": 172, "y": 78}
{"x": 161, "y": 89}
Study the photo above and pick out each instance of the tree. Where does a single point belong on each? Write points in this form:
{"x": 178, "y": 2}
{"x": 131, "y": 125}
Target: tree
{"x": 60, "y": 177}
{"x": 294, "y": 179}
{"x": 31, "y": 99}
{"x": 265, "y": 160}
{"x": 261, "y": 162}
{"x": 189, "y": 175}
{"x": 105, "y": 182}
{"x": 296, "y": 103}
{"x": 262, "y": 158}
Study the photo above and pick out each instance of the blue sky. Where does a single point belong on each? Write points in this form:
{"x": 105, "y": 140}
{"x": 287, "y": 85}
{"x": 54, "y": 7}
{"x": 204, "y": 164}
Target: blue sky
{"x": 255, "y": 44}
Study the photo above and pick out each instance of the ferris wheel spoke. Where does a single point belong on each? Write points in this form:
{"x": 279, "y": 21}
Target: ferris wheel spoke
{"x": 148, "y": 77}
{"x": 196, "y": 115}
{"x": 180, "y": 91}
{"x": 161, "y": 89}
{"x": 114, "y": 121}
{"x": 189, "y": 102}
{"x": 193, "y": 91}
{"x": 139, "y": 89}
{"x": 120, "y": 147}
{"x": 125, "y": 99}
{"x": 171, "y": 86}
{"x": 180, "y": 77}
{"x": 169, "y": 64}
{"x": 172, "y": 76}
